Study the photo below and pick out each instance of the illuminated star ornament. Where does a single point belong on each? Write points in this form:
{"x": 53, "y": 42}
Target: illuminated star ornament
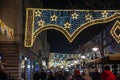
{"x": 38, "y": 13}
{"x": 54, "y": 18}
{"x": 105, "y": 14}
{"x": 74, "y": 16}
{"x": 115, "y": 31}
{"x": 88, "y": 17}
{"x": 41, "y": 23}
{"x": 67, "y": 25}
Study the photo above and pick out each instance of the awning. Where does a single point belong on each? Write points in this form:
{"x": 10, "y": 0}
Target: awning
{"x": 115, "y": 56}
{"x": 110, "y": 59}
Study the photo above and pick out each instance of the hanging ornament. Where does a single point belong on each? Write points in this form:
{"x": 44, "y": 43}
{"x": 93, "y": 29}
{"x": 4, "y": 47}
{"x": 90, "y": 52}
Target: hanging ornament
{"x": 114, "y": 30}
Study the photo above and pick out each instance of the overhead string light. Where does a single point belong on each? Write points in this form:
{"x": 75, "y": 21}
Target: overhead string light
{"x": 69, "y": 22}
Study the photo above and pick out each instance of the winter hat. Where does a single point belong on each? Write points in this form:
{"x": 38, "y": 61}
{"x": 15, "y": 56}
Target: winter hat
{"x": 107, "y": 67}
{"x": 76, "y": 72}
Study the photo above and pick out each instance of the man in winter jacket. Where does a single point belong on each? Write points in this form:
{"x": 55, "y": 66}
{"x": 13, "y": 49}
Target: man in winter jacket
{"x": 107, "y": 74}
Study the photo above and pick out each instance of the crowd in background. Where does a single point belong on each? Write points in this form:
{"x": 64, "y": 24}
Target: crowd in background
{"x": 106, "y": 74}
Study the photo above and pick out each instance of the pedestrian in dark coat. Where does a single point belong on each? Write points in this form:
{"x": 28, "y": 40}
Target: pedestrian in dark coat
{"x": 36, "y": 75}
{"x": 43, "y": 75}
{"x": 77, "y": 75}
{"x": 96, "y": 75}
{"x": 51, "y": 76}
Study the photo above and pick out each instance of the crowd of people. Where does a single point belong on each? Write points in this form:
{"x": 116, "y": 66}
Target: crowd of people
{"x": 106, "y": 74}
{"x": 76, "y": 75}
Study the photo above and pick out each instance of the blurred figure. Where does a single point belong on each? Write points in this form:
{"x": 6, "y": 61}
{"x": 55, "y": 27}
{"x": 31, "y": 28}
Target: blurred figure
{"x": 118, "y": 76}
{"x": 69, "y": 77}
{"x": 107, "y": 74}
{"x": 36, "y": 75}
{"x": 77, "y": 75}
{"x": 3, "y": 75}
{"x": 87, "y": 76}
{"x": 43, "y": 75}
{"x": 51, "y": 76}
{"x": 96, "y": 75}
{"x": 92, "y": 75}
{"x": 72, "y": 79}
{"x": 61, "y": 76}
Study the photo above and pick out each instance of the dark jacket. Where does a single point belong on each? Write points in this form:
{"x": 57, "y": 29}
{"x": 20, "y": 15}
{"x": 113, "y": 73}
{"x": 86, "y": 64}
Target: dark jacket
{"x": 43, "y": 75}
{"x": 36, "y": 76}
{"x": 78, "y": 77}
{"x": 51, "y": 77}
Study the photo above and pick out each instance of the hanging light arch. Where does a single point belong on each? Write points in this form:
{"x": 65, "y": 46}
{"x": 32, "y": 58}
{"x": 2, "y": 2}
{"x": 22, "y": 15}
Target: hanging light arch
{"x": 68, "y": 22}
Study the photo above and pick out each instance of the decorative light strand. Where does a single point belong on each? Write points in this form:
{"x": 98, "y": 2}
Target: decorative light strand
{"x": 5, "y": 28}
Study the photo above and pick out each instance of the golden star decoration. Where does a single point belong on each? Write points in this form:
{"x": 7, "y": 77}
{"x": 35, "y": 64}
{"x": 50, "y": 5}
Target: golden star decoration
{"x": 54, "y": 18}
{"x": 41, "y": 23}
{"x": 74, "y": 16}
{"x": 67, "y": 25}
{"x": 38, "y": 13}
{"x": 116, "y": 27}
{"x": 88, "y": 17}
{"x": 105, "y": 14}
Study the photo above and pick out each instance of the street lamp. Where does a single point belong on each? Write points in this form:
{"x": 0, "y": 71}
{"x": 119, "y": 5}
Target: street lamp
{"x": 83, "y": 57}
{"x": 95, "y": 49}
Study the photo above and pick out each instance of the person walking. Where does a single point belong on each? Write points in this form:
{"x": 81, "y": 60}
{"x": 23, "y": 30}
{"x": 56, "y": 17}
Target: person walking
{"x": 87, "y": 76}
{"x": 77, "y": 75}
{"x": 69, "y": 77}
{"x": 51, "y": 76}
{"x": 107, "y": 74}
{"x": 96, "y": 75}
{"x": 43, "y": 75}
{"x": 36, "y": 75}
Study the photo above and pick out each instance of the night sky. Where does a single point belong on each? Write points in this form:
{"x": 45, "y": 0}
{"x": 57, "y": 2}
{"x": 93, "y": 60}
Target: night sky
{"x": 58, "y": 42}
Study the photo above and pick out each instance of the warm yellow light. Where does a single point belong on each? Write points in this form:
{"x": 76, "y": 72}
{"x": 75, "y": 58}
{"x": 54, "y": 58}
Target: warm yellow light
{"x": 30, "y": 34}
{"x": 95, "y": 49}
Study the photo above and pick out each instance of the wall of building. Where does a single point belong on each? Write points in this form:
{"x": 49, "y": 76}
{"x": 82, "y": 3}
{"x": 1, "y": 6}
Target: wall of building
{"x": 12, "y": 13}
{"x": 10, "y": 57}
